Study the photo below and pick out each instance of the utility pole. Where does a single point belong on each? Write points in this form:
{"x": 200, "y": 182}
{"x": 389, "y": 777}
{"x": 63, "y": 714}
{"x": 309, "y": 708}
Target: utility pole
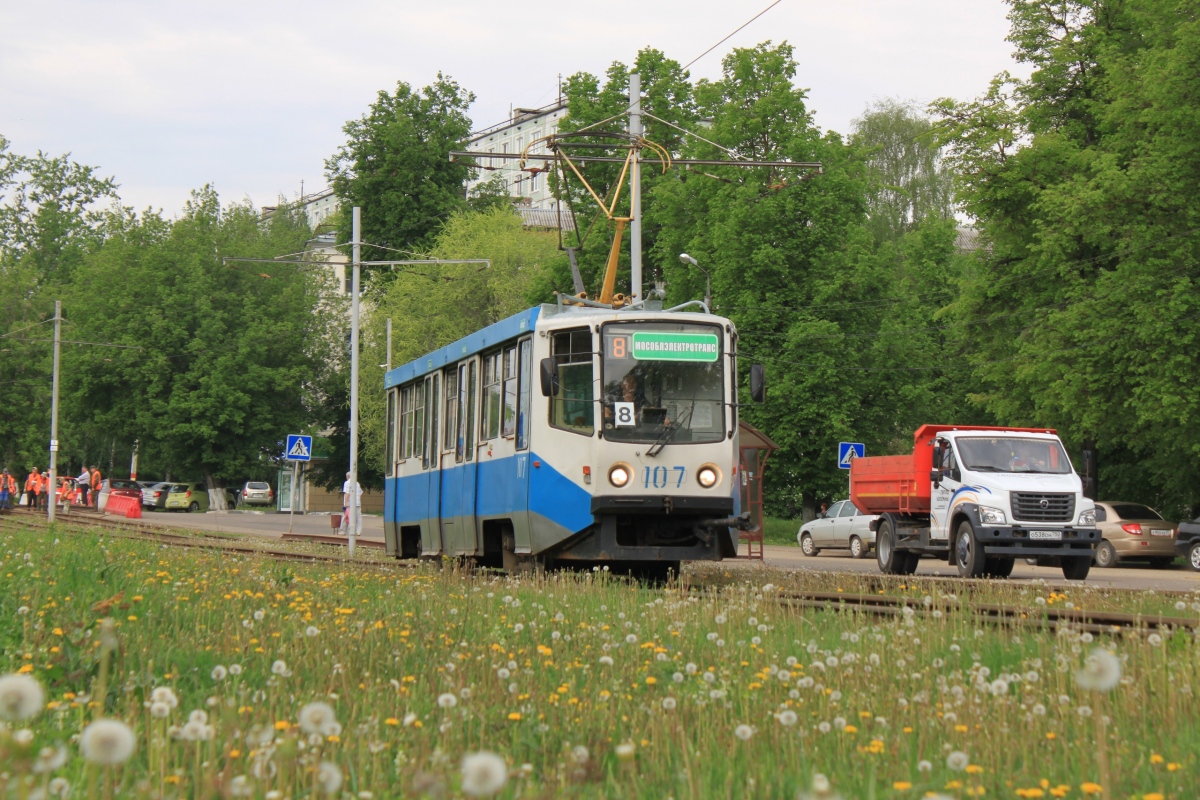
{"x": 387, "y": 367}
{"x": 355, "y": 288}
{"x": 635, "y": 188}
{"x": 133, "y": 462}
{"x": 52, "y": 489}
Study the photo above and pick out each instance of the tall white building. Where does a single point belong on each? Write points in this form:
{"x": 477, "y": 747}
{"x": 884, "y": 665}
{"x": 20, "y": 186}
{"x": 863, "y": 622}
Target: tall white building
{"x": 526, "y": 125}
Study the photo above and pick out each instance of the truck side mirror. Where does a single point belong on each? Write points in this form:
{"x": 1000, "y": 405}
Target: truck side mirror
{"x": 935, "y": 476}
{"x": 758, "y": 383}
{"x": 549, "y": 376}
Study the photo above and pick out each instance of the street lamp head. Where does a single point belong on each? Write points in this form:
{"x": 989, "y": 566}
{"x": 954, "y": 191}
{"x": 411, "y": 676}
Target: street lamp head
{"x": 686, "y": 259}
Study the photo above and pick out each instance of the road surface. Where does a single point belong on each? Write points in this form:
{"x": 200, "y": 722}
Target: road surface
{"x": 1131, "y": 576}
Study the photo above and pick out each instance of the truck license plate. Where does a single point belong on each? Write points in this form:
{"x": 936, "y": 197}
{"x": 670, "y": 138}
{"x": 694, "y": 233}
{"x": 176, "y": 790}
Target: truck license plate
{"x": 1160, "y": 532}
{"x": 1054, "y": 536}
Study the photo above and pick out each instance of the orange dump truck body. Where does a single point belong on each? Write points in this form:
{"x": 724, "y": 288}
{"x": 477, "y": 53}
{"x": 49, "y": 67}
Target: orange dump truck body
{"x": 900, "y": 484}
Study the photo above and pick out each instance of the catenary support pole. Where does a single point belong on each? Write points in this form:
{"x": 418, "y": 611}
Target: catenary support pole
{"x": 133, "y": 462}
{"x": 52, "y": 488}
{"x": 387, "y": 367}
{"x": 635, "y": 189}
{"x": 355, "y": 290}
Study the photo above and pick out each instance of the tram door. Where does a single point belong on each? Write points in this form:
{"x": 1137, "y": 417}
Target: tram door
{"x": 431, "y": 461}
{"x": 458, "y": 461}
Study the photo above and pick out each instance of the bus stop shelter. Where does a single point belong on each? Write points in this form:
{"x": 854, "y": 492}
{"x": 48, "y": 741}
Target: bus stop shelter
{"x": 756, "y": 447}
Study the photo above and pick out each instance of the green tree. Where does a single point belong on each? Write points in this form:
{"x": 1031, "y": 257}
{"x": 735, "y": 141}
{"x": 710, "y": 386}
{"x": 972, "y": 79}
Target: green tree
{"x": 434, "y": 305}
{"x": 841, "y": 324}
{"x": 907, "y": 180}
{"x": 215, "y": 361}
{"x": 396, "y": 165}
{"x": 1084, "y": 179}
{"x": 48, "y": 223}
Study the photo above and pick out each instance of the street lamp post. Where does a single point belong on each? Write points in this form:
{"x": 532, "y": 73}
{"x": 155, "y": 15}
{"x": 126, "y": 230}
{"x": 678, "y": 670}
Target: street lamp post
{"x": 686, "y": 259}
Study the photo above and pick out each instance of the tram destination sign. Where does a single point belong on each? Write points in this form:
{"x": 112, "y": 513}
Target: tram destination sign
{"x": 649, "y": 346}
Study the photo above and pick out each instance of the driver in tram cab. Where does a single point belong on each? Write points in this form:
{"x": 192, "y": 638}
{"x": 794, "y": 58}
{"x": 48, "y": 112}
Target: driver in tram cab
{"x": 627, "y": 391}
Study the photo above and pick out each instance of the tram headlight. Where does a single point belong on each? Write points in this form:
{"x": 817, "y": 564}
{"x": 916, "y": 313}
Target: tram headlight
{"x": 708, "y": 476}
{"x": 619, "y": 474}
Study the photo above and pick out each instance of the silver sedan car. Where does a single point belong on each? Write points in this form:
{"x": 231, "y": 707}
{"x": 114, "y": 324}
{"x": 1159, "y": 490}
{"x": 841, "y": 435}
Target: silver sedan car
{"x": 843, "y": 527}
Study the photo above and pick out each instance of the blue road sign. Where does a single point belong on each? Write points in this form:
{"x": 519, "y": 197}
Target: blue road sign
{"x": 848, "y": 451}
{"x": 299, "y": 448}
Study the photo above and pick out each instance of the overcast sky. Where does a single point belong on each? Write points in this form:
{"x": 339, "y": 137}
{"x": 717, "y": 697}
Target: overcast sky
{"x": 251, "y": 96}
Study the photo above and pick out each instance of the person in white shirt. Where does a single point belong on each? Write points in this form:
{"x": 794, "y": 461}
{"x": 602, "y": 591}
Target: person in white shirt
{"x": 346, "y": 507}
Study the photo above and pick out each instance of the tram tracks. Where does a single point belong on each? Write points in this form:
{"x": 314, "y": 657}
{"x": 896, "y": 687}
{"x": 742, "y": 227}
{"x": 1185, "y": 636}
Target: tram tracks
{"x": 1081, "y": 620}
{"x": 882, "y": 605}
{"x": 199, "y": 540}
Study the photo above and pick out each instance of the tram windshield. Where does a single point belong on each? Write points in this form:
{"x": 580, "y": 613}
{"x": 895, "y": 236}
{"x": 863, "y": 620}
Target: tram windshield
{"x": 663, "y": 379}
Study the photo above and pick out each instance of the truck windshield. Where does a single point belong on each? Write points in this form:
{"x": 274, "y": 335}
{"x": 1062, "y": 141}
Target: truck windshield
{"x": 663, "y": 379}
{"x": 1012, "y": 454}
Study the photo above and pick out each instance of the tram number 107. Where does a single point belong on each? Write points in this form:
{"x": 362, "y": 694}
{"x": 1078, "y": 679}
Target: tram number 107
{"x": 661, "y": 477}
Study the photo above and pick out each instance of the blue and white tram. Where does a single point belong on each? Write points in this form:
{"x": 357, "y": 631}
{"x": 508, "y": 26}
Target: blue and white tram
{"x": 569, "y": 434}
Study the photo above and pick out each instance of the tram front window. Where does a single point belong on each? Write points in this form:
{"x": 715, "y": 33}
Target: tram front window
{"x": 660, "y": 377}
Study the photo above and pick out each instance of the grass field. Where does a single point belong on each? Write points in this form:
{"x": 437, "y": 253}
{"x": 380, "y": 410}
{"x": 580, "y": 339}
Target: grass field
{"x": 780, "y": 531}
{"x": 584, "y": 685}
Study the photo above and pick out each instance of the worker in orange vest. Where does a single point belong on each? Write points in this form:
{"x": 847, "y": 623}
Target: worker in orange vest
{"x": 33, "y": 488}
{"x": 96, "y": 484}
{"x": 8, "y": 488}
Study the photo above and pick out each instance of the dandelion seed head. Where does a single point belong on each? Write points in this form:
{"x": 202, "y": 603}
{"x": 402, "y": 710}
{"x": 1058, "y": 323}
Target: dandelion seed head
{"x": 319, "y": 718}
{"x": 788, "y": 718}
{"x": 483, "y": 774}
{"x": 668, "y": 703}
{"x": 580, "y": 754}
{"x": 743, "y": 732}
{"x": 447, "y": 700}
{"x": 218, "y": 673}
{"x": 160, "y": 710}
{"x": 311, "y": 631}
{"x": 21, "y": 697}
{"x": 1101, "y": 671}
{"x": 279, "y": 667}
{"x": 107, "y": 742}
{"x": 329, "y": 777}
{"x": 957, "y": 761}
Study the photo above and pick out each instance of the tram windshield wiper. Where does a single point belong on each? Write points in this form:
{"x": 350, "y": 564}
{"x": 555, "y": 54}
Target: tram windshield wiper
{"x": 669, "y": 432}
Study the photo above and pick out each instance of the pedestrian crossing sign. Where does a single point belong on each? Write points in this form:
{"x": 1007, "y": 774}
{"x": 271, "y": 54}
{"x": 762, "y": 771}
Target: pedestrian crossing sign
{"x": 848, "y": 451}
{"x": 299, "y": 448}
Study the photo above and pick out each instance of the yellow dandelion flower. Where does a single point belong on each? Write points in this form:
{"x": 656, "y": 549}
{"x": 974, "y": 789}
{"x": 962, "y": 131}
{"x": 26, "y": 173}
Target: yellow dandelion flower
{"x": 514, "y": 716}
{"x": 1171, "y": 767}
{"x": 974, "y": 769}
{"x": 282, "y": 725}
{"x": 901, "y": 786}
{"x": 851, "y": 729}
{"x": 650, "y": 681}
{"x": 1153, "y": 796}
{"x": 1155, "y": 758}
{"x": 391, "y": 721}
{"x": 1090, "y": 788}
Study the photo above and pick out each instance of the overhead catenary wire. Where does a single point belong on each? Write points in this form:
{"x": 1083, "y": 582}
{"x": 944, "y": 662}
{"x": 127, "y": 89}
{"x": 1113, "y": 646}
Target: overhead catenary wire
{"x": 731, "y": 35}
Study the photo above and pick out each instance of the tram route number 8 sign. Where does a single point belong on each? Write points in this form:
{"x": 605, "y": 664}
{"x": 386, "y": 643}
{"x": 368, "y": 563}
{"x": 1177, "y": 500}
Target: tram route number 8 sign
{"x": 647, "y": 346}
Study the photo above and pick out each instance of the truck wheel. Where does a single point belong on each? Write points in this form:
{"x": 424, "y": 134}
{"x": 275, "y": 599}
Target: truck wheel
{"x": 1106, "y": 555}
{"x": 857, "y": 548}
{"x": 998, "y": 567}
{"x": 968, "y": 554}
{"x": 1076, "y": 569}
{"x": 890, "y": 560}
{"x": 807, "y": 547}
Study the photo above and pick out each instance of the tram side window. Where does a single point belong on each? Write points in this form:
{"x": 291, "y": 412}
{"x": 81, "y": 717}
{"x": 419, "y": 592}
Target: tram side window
{"x": 509, "y": 427}
{"x": 418, "y": 439}
{"x": 450, "y": 421}
{"x": 493, "y": 367}
{"x": 523, "y": 394}
{"x": 390, "y": 457}
{"x": 573, "y": 407}
{"x": 406, "y": 421}
{"x": 430, "y": 454}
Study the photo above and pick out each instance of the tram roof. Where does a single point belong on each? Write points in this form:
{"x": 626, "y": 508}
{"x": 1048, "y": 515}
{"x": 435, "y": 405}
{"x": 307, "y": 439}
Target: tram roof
{"x": 480, "y": 340}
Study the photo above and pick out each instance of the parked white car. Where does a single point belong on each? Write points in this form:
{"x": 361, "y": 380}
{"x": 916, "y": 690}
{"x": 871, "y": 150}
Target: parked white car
{"x": 843, "y": 527}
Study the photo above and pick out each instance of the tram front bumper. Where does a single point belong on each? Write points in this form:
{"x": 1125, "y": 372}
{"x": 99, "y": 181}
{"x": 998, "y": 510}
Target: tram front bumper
{"x": 654, "y": 528}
